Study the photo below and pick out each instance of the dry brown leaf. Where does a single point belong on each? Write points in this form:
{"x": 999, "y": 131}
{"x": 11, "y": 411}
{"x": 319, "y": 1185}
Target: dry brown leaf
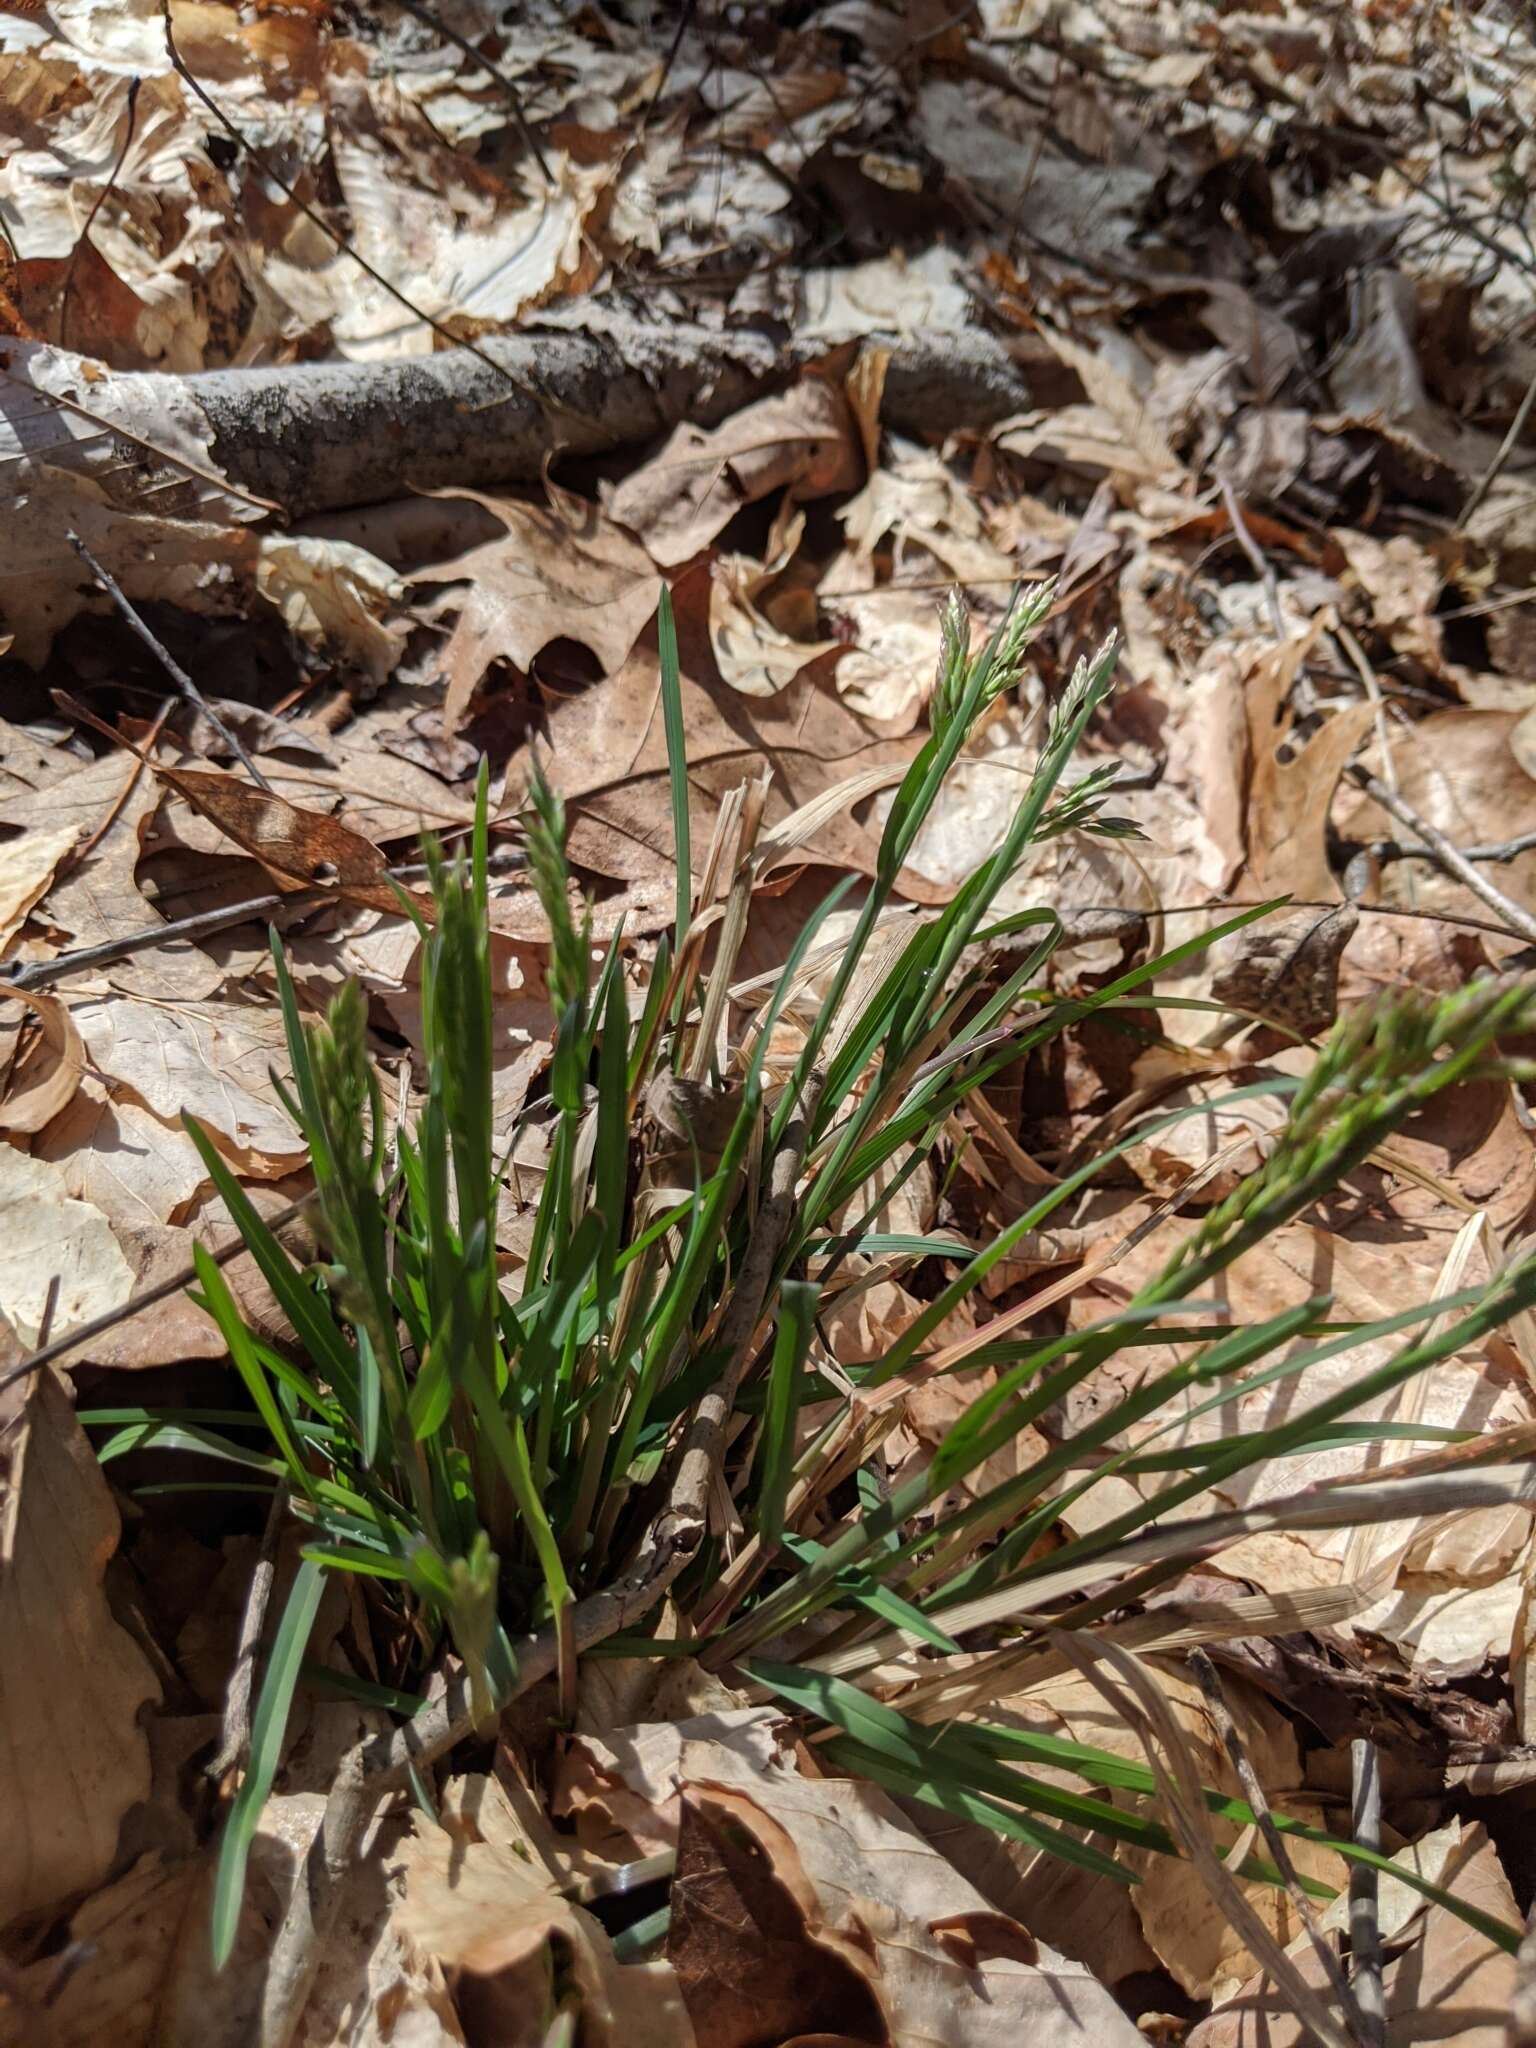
{"x": 1288, "y": 800}
{"x": 623, "y": 1790}
{"x": 1443, "y": 1980}
{"x": 565, "y": 573}
{"x": 1401, "y": 581}
{"x": 27, "y": 867}
{"x": 1171, "y": 1903}
{"x": 805, "y": 441}
{"x": 122, "y": 1159}
{"x": 28, "y": 765}
{"x": 611, "y": 747}
{"x": 1447, "y": 1610}
{"x": 73, "y": 1758}
{"x": 487, "y": 1918}
{"x": 80, "y": 803}
{"x": 830, "y": 1872}
{"x": 211, "y": 1059}
{"x": 753, "y": 654}
{"x": 1287, "y": 968}
{"x": 49, "y": 1072}
{"x": 46, "y": 1237}
{"x": 302, "y": 849}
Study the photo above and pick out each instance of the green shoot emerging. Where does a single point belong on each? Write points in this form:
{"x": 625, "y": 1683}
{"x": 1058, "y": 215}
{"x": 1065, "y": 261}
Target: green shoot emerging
{"x": 486, "y": 1447}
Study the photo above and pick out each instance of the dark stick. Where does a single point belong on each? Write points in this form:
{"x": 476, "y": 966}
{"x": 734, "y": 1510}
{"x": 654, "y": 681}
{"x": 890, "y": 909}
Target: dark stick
{"x": 168, "y": 662}
{"x": 235, "y": 1731}
{"x": 1387, "y": 850}
{"x": 435, "y": 22}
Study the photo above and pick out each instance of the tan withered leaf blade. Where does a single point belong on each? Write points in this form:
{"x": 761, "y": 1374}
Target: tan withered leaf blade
{"x": 806, "y": 440}
{"x": 563, "y": 573}
{"x": 785, "y": 1881}
{"x": 1170, "y": 1908}
{"x": 73, "y": 1758}
{"x": 487, "y": 1918}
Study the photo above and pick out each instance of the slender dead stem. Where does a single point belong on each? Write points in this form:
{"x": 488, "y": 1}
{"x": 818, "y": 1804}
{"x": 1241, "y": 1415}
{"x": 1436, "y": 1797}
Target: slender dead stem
{"x": 1449, "y": 856}
{"x": 1209, "y": 1681}
{"x": 235, "y": 1730}
{"x": 168, "y": 662}
{"x": 1364, "y": 1924}
{"x": 1500, "y": 461}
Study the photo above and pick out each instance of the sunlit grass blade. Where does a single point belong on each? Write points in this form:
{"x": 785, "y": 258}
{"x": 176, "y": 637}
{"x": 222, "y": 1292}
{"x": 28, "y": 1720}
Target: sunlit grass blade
{"x": 797, "y": 1314}
{"x": 268, "y": 1720}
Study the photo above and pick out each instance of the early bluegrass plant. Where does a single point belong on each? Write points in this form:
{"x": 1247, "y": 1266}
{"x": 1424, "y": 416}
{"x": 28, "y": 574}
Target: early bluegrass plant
{"x": 486, "y": 1455}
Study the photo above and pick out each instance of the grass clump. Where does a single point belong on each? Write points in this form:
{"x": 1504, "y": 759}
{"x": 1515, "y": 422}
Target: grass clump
{"x": 498, "y": 1459}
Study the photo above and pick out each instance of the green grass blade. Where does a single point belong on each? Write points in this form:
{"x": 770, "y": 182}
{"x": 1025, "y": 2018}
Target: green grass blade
{"x": 792, "y": 1343}
{"x": 268, "y": 1722}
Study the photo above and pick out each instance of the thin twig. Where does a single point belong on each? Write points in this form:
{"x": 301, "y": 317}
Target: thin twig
{"x": 684, "y": 18}
{"x": 1506, "y": 448}
{"x": 1387, "y": 850}
{"x": 1255, "y": 554}
{"x": 434, "y": 21}
{"x": 1449, "y": 856}
{"x": 235, "y": 1730}
{"x": 168, "y": 662}
{"x": 1364, "y": 1924}
{"x": 17, "y": 976}
{"x": 1209, "y": 1680}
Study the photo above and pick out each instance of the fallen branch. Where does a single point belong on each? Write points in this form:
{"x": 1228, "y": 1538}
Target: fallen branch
{"x": 317, "y": 437}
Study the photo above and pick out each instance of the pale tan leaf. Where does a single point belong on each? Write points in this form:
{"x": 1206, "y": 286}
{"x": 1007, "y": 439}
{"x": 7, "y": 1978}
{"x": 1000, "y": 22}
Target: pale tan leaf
{"x": 73, "y": 1758}
{"x": 125, "y": 1161}
{"x": 487, "y": 1918}
{"x": 563, "y": 573}
{"x": 805, "y": 439}
{"x": 908, "y": 1930}
{"x": 27, "y": 867}
{"x": 49, "y": 1072}
{"x": 46, "y": 1236}
{"x": 211, "y": 1059}
{"x": 753, "y": 654}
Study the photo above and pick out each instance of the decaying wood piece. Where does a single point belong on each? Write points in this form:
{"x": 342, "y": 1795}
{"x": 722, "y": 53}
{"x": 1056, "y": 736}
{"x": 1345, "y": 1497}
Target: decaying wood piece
{"x": 315, "y": 437}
